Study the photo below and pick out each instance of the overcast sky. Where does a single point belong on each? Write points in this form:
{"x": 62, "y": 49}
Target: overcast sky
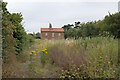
{"x": 38, "y": 13}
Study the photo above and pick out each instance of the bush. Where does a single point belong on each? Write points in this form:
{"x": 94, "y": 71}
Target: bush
{"x": 7, "y": 38}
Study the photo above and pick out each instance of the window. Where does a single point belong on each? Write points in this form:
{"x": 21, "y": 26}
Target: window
{"x": 52, "y": 34}
{"x": 59, "y": 34}
{"x": 45, "y": 34}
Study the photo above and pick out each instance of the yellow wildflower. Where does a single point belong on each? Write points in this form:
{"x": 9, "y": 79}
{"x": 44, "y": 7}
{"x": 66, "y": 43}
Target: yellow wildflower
{"x": 35, "y": 54}
{"x": 46, "y": 52}
{"x": 36, "y": 49}
{"x": 33, "y": 51}
{"x": 30, "y": 53}
{"x": 43, "y": 50}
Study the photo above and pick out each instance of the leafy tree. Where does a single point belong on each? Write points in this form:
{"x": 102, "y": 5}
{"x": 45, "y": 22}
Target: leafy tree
{"x": 37, "y": 35}
{"x": 7, "y": 36}
{"x": 67, "y": 27}
{"x": 112, "y": 24}
{"x": 77, "y": 25}
{"x": 18, "y": 33}
{"x": 87, "y": 29}
{"x": 7, "y": 32}
{"x": 107, "y": 27}
{"x": 72, "y": 33}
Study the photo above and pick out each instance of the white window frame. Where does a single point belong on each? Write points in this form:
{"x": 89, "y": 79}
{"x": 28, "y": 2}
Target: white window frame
{"x": 53, "y": 35}
{"x": 59, "y": 34}
{"x": 46, "y": 34}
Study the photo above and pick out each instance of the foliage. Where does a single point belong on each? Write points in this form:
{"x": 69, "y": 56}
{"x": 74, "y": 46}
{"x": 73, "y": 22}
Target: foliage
{"x": 72, "y": 33}
{"x": 19, "y": 33}
{"x": 29, "y": 38}
{"x": 112, "y": 23}
{"x": 82, "y": 30}
{"x": 43, "y": 55}
{"x": 99, "y": 56}
{"x": 7, "y": 36}
{"x": 109, "y": 26}
{"x": 32, "y": 53}
{"x": 14, "y": 35}
{"x": 75, "y": 73}
{"x": 66, "y": 28}
{"x": 37, "y": 35}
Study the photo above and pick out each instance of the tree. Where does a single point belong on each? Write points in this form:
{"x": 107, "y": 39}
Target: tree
{"x": 37, "y": 35}
{"x": 87, "y": 29}
{"x": 109, "y": 26}
{"x": 72, "y": 33}
{"x": 67, "y": 27}
{"x": 112, "y": 23}
{"x": 19, "y": 33}
{"x": 77, "y": 25}
{"x": 15, "y": 19}
{"x": 8, "y": 39}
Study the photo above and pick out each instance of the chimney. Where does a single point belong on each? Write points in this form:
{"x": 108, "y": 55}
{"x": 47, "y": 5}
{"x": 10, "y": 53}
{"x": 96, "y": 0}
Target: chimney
{"x": 50, "y": 26}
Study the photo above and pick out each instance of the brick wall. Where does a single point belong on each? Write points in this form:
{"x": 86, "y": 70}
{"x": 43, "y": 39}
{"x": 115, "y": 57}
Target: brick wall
{"x": 50, "y": 37}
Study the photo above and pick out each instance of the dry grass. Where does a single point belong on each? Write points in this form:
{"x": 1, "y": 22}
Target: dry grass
{"x": 100, "y": 55}
{"x": 94, "y": 58}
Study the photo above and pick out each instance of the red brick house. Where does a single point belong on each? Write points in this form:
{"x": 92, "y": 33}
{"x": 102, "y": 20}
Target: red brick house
{"x": 52, "y": 33}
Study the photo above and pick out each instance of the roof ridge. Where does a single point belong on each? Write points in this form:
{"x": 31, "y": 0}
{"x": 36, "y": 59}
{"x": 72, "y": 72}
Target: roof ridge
{"x": 53, "y": 29}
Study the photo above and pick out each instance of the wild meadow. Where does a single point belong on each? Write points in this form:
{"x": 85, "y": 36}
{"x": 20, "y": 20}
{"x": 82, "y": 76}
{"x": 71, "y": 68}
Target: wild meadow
{"x": 89, "y": 49}
{"x": 82, "y": 58}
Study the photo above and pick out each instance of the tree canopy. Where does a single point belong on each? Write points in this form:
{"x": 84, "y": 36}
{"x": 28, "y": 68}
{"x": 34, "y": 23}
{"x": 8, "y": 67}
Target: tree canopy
{"x": 109, "y": 26}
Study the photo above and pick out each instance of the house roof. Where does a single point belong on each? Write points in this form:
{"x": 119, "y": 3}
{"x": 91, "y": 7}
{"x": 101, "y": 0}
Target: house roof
{"x": 53, "y": 29}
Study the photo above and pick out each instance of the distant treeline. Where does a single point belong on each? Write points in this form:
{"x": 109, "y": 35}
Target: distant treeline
{"x": 109, "y": 26}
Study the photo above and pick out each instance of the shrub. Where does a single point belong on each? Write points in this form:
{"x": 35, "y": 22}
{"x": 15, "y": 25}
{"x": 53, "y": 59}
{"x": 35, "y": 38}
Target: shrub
{"x": 7, "y": 36}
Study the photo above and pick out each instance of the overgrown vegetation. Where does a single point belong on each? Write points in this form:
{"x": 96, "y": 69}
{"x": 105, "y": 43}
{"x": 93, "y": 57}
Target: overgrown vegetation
{"x": 91, "y": 51}
{"x": 37, "y": 35}
{"x": 14, "y": 38}
{"x": 86, "y": 58}
{"x": 14, "y": 35}
{"x": 109, "y": 26}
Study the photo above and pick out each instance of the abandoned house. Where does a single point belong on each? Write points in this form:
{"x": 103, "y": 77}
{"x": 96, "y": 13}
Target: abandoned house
{"x": 52, "y": 33}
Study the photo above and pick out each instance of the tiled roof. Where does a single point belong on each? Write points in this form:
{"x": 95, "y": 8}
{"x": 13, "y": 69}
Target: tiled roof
{"x": 53, "y": 29}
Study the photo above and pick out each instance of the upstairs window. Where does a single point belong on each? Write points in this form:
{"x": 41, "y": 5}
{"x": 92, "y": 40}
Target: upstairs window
{"x": 52, "y": 34}
{"x": 59, "y": 34}
{"x": 45, "y": 34}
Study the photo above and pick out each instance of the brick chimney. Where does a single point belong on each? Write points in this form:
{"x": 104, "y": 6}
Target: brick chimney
{"x": 50, "y": 26}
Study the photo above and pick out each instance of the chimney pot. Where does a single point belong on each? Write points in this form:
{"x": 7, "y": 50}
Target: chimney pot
{"x": 50, "y": 26}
